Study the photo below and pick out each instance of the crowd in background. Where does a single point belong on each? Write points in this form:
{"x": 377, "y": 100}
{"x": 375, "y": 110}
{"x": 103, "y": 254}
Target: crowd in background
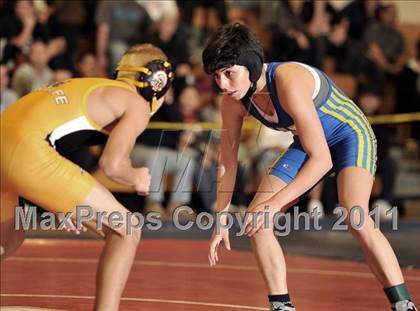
{"x": 53, "y": 40}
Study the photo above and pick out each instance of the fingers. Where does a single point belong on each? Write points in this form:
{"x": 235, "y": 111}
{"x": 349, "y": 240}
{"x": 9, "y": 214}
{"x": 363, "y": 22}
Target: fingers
{"x": 254, "y": 224}
{"x": 72, "y": 228}
{"x": 213, "y": 256}
{"x": 76, "y": 230}
{"x": 70, "y": 225}
{"x": 226, "y": 242}
{"x": 144, "y": 181}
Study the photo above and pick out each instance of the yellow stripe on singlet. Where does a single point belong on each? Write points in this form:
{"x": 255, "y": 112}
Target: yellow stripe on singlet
{"x": 344, "y": 108}
{"x": 354, "y": 127}
{"x": 372, "y": 150}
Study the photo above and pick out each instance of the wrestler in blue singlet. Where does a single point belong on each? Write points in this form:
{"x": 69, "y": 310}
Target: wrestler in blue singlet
{"x": 347, "y": 131}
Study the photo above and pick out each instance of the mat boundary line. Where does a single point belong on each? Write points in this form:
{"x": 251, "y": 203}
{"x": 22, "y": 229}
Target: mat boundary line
{"x": 205, "y": 266}
{"x": 196, "y": 303}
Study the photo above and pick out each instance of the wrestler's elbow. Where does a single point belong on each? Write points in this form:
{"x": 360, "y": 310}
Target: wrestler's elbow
{"x": 112, "y": 167}
{"x": 325, "y": 161}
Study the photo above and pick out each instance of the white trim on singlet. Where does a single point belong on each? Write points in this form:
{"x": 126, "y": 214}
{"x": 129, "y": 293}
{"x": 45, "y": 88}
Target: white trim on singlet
{"x": 72, "y": 126}
{"x": 316, "y": 78}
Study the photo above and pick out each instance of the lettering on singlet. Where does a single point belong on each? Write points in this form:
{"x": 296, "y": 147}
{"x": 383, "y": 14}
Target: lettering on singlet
{"x": 60, "y": 97}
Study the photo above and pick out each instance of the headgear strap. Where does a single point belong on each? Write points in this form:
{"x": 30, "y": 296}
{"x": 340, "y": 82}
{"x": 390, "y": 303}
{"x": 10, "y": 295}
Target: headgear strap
{"x": 153, "y": 81}
{"x": 251, "y": 60}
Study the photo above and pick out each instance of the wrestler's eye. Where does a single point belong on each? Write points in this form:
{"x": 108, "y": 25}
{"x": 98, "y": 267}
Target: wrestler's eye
{"x": 229, "y": 74}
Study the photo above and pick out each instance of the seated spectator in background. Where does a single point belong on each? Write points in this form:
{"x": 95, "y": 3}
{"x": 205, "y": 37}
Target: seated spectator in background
{"x": 160, "y": 151}
{"x": 355, "y": 18}
{"x": 384, "y": 55}
{"x": 201, "y": 146}
{"x": 35, "y": 73}
{"x": 50, "y": 33}
{"x": 18, "y": 28}
{"x": 300, "y": 30}
{"x": 290, "y": 40}
{"x": 119, "y": 25}
{"x": 29, "y": 22}
{"x": 206, "y": 145}
{"x": 408, "y": 90}
{"x": 189, "y": 104}
{"x": 156, "y": 9}
{"x": 8, "y": 96}
{"x": 74, "y": 20}
{"x": 383, "y": 187}
{"x": 86, "y": 65}
{"x": 360, "y": 14}
{"x": 201, "y": 17}
{"x": 62, "y": 74}
{"x": 171, "y": 38}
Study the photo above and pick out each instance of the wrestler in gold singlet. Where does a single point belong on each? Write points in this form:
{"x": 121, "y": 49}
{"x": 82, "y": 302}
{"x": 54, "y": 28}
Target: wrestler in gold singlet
{"x": 35, "y": 131}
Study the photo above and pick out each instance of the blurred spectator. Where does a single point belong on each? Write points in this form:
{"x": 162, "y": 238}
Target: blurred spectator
{"x": 8, "y": 96}
{"x": 31, "y": 21}
{"x": 160, "y": 151}
{"x": 408, "y": 90}
{"x": 170, "y": 36}
{"x": 315, "y": 206}
{"x": 191, "y": 10}
{"x": 18, "y": 28}
{"x": 300, "y": 30}
{"x": 384, "y": 55}
{"x": 383, "y": 187}
{"x": 36, "y": 73}
{"x": 62, "y": 74}
{"x": 202, "y": 17}
{"x": 50, "y": 32}
{"x": 72, "y": 17}
{"x": 156, "y": 9}
{"x": 87, "y": 66}
{"x": 189, "y": 102}
{"x": 206, "y": 145}
{"x": 211, "y": 113}
{"x": 119, "y": 25}
{"x": 359, "y": 14}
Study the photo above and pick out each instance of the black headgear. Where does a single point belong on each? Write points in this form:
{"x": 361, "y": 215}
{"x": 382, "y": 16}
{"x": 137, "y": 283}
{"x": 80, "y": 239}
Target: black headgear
{"x": 250, "y": 59}
{"x": 153, "y": 81}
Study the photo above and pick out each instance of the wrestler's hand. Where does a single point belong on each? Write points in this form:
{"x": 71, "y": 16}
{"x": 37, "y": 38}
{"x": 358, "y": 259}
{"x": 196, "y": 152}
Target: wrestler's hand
{"x": 142, "y": 181}
{"x": 217, "y": 237}
{"x": 259, "y": 217}
{"x": 69, "y": 224}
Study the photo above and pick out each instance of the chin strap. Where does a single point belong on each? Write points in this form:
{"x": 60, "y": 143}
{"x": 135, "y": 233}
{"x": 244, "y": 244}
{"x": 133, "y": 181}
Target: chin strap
{"x": 251, "y": 91}
{"x": 153, "y": 106}
{"x": 133, "y": 81}
{"x": 153, "y": 103}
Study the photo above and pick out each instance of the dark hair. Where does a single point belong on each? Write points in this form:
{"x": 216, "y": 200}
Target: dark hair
{"x": 380, "y": 10}
{"x": 233, "y": 44}
{"x": 80, "y": 55}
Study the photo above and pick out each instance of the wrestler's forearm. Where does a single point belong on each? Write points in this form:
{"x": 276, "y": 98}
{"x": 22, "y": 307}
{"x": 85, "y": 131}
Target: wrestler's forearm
{"x": 121, "y": 172}
{"x": 226, "y": 177}
{"x": 312, "y": 171}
